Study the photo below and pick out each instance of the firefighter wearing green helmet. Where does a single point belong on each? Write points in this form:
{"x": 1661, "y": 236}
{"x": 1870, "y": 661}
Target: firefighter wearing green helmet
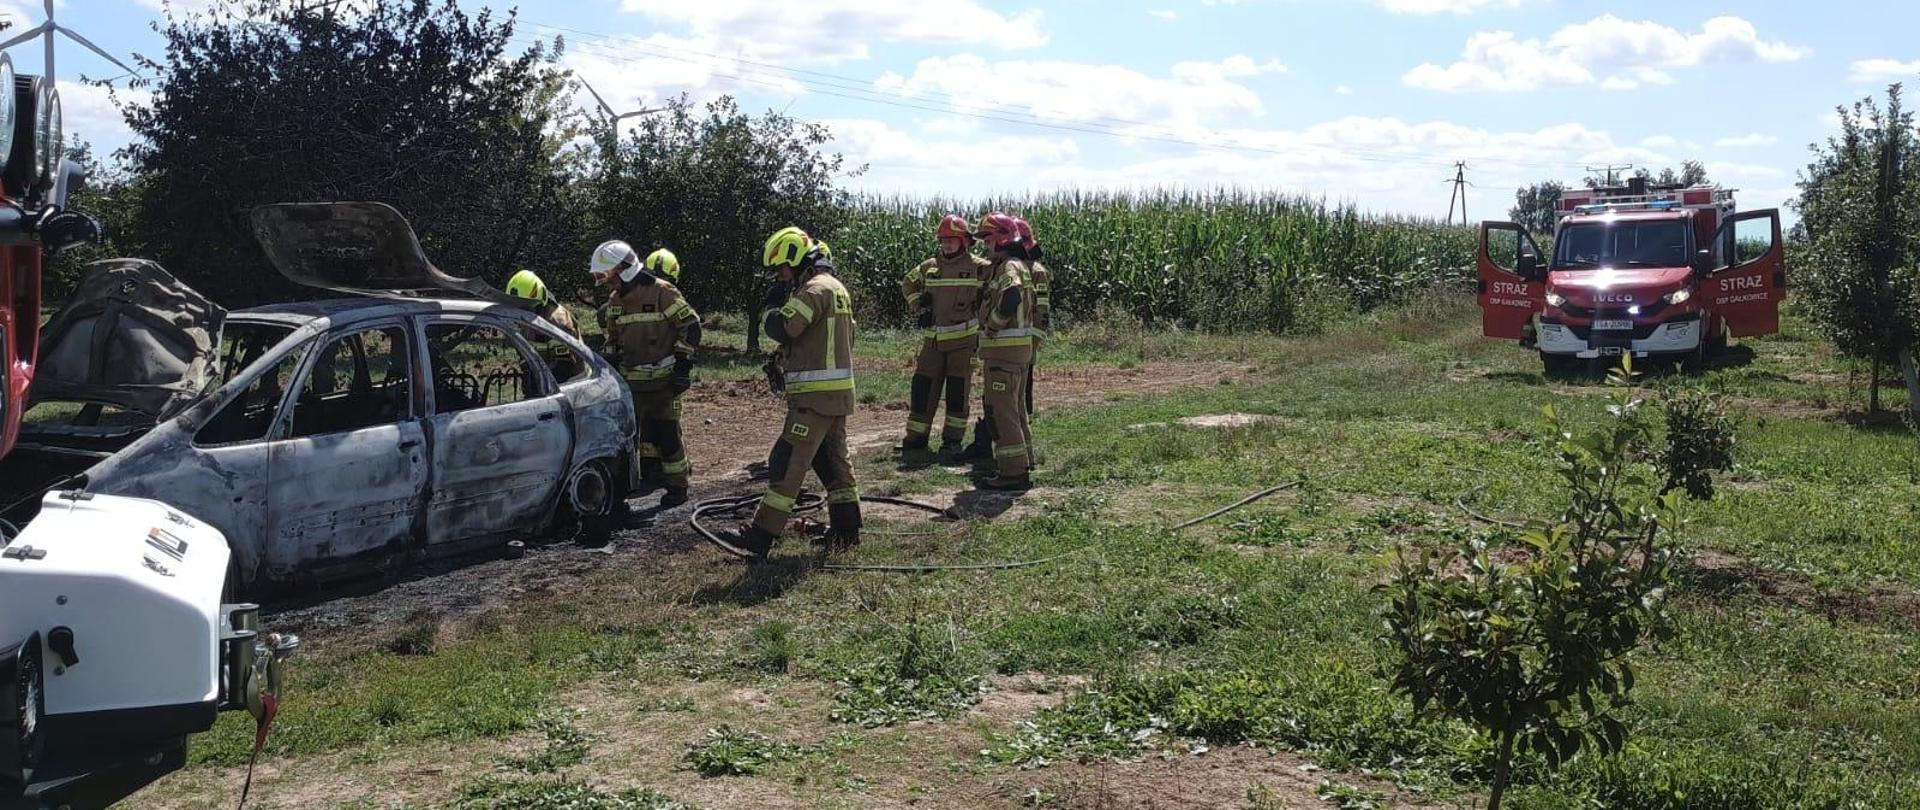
{"x": 527, "y": 286}
{"x": 651, "y": 334}
{"x": 814, "y": 329}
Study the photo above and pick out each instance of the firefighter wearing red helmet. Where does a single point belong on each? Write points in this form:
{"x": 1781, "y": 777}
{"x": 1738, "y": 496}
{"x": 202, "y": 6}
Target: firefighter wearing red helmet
{"x": 1006, "y": 351}
{"x": 943, "y": 293}
{"x": 1042, "y": 281}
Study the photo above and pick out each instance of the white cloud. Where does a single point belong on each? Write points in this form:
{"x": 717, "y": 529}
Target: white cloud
{"x": 837, "y": 30}
{"x": 87, "y": 112}
{"x": 1073, "y": 91}
{"x": 1165, "y": 14}
{"x": 1745, "y": 141}
{"x": 1669, "y": 142}
{"x": 865, "y": 140}
{"x": 1343, "y": 90}
{"x": 636, "y": 72}
{"x": 1615, "y": 53}
{"x": 1883, "y": 70}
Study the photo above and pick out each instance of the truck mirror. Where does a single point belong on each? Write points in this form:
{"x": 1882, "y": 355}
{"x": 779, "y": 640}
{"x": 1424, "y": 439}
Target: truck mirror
{"x": 1703, "y": 260}
{"x": 1528, "y": 264}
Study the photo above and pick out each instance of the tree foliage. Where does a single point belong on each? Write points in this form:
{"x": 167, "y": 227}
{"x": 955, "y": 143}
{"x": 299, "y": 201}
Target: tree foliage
{"x": 1860, "y": 210}
{"x": 1536, "y": 652}
{"x": 711, "y": 184}
{"x": 1536, "y": 207}
{"x": 402, "y": 101}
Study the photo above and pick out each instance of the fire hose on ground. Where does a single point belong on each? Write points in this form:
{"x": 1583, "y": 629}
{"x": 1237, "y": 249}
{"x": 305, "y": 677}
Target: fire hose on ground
{"x": 809, "y": 502}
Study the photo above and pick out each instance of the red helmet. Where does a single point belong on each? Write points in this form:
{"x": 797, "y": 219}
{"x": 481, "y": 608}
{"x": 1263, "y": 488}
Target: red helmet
{"x": 999, "y": 230}
{"x": 1026, "y": 231}
{"x": 955, "y": 227}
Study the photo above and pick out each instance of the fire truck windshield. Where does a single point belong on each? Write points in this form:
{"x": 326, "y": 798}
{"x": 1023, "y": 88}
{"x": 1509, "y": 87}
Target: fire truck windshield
{"x": 1651, "y": 243}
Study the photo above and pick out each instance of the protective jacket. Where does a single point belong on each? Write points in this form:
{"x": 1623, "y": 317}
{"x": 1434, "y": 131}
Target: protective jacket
{"x": 654, "y": 332}
{"x": 948, "y": 290}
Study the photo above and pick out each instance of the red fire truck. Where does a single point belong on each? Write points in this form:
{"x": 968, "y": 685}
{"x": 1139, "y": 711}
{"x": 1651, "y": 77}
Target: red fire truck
{"x": 1659, "y": 272}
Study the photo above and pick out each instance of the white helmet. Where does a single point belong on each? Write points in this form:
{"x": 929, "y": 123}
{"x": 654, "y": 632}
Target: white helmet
{"x": 614, "y": 255}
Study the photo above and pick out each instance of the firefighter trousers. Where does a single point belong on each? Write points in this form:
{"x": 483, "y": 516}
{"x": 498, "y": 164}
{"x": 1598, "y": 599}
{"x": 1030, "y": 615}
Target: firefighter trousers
{"x": 1005, "y": 397}
{"x": 658, "y": 438}
{"x": 935, "y": 370}
{"x": 810, "y": 441}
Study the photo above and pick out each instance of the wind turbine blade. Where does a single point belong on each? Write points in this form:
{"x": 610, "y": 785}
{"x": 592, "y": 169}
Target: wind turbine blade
{"x": 25, "y": 35}
{"x": 596, "y": 97}
{"x": 92, "y": 47}
{"x": 49, "y": 5}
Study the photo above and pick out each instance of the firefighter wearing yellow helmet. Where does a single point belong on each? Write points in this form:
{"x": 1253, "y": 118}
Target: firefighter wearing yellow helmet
{"x": 814, "y": 329}
{"x": 527, "y": 286}
{"x": 651, "y": 334}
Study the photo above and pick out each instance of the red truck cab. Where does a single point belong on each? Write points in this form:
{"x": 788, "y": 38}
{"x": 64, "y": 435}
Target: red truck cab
{"x": 1656, "y": 272}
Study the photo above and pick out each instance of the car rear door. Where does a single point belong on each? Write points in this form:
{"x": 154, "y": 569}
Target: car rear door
{"x": 1750, "y": 275}
{"x": 349, "y": 475}
{"x": 1512, "y": 280}
{"x": 501, "y": 432}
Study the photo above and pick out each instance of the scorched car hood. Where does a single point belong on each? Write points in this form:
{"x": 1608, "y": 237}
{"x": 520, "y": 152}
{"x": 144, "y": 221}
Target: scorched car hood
{"x": 1617, "y": 287}
{"x": 366, "y": 248}
{"x": 132, "y": 335}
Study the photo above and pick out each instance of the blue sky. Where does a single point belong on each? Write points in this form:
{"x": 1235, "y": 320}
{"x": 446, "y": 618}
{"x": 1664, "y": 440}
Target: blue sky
{"x": 1363, "y": 100}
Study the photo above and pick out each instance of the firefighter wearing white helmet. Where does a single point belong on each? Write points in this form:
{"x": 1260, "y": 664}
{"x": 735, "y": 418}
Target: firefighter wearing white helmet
{"x": 814, "y": 327}
{"x": 651, "y": 334}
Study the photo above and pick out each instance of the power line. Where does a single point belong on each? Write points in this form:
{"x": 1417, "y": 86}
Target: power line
{"x": 833, "y": 88}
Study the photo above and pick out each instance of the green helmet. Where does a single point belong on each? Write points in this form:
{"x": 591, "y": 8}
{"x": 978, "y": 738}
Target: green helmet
{"x": 664, "y": 264}
{"x": 787, "y": 246}
{"x": 525, "y": 284}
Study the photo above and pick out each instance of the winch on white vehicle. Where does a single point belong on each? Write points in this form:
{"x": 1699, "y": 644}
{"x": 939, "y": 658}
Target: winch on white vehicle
{"x": 115, "y": 645}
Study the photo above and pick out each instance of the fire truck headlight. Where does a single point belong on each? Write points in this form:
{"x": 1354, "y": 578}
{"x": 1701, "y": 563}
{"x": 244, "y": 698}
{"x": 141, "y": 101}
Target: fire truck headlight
{"x": 1555, "y": 300}
{"x": 1678, "y": 296}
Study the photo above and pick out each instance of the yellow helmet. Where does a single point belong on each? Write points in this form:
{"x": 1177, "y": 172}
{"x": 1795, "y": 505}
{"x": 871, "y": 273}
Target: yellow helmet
{"x": 825, "y": 251}
{"x": 664, "y": 264}
{"x": 525, "y": 284}
{"x": 787, "y": 246}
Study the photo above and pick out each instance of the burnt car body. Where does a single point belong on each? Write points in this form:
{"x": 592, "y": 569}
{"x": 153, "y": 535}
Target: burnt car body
{"x": 326, "y": 438}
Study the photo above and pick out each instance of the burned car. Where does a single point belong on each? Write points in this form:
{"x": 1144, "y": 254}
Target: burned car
{"x": 326, "y": 438}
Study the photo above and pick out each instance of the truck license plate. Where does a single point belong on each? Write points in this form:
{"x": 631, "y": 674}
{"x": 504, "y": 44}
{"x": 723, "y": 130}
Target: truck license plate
{"x": 1611, "y": 326}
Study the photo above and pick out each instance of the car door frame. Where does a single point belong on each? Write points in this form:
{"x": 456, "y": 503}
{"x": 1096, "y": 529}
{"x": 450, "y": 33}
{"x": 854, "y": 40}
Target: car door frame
{"x": 1508, "y": 300}
{"x": 1746, "y": 296}
{"x": 410, "y": 440}
{"x": 539, "y": 513}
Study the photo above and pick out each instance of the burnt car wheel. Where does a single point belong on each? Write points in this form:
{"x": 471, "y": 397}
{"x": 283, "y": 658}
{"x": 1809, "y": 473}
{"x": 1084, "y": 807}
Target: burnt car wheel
{"x": 595, "y": 500}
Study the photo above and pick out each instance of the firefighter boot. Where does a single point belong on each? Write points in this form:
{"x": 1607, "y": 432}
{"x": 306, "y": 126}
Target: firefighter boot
{"x": 844, "y": 531}
{"x": 753, "y": 540}
{"x": 982, "y": 446}
{"x": 673, "y": 497}
{"x": 920, "y": 406}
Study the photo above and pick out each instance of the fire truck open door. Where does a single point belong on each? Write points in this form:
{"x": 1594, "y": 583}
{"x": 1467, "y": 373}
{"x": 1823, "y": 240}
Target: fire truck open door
{"x": 1513, "y": 280}
{"x": 1749, "y": 279}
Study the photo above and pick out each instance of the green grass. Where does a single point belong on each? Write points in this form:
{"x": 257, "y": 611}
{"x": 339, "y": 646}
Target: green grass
{"x": 1260, "y": 626}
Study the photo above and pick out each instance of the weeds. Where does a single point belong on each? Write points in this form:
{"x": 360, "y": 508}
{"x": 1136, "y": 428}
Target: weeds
{"x": 567, "y": 746}
{"x": 925, "y": 679}
{"x": 499, "y": 794}
{"x": 1349, "y": 797}
{"x": 771, "y": 647}
{"x": 727, "y": 751}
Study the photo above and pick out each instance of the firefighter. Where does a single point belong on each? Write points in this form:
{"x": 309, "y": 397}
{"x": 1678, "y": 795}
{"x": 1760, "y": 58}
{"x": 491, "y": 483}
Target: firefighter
{"x": 944, "y": 295}
{"x": 1006, "y": 352}
{"x": 814, "y": 328}
{"x": 653, "y": 333}
{"x": 1042, "y": 279}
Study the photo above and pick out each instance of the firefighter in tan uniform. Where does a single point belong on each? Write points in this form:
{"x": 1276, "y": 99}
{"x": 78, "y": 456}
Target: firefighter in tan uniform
{"x": 944, "y": 294}
{"x": 814, "y": 328}
{"x": 653, "y": 332}
{"x": 1042, "y": 282}
{"x": 1006, "y": 352}
{"x": 527, "y": 286}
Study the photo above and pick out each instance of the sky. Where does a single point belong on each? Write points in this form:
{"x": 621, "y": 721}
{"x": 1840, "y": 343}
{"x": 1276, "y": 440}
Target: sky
{"x": 1364, "y": 101}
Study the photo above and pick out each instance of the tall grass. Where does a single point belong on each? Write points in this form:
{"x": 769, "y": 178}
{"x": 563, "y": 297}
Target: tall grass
{"x": 1220, "y": 260}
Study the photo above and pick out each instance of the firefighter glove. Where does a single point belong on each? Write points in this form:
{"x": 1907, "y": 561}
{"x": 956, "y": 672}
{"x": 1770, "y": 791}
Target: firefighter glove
{"x": 682, "y": 374}
{"x": 776, "y": 377}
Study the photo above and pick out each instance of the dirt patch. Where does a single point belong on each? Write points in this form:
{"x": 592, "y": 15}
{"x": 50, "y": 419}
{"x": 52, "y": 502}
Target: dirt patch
{"x": 1723, "y": 574}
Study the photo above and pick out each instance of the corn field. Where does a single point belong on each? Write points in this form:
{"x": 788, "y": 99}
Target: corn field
{"x": 1224, "y": 261}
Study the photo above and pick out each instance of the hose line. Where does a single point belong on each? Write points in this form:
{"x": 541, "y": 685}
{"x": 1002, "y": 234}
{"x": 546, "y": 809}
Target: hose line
{"x": 808, "y": 502}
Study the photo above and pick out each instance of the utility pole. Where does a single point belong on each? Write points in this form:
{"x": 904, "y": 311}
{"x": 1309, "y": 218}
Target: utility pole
{"x": 1610, "y": 170}
{"x": 1459, "y": 194}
